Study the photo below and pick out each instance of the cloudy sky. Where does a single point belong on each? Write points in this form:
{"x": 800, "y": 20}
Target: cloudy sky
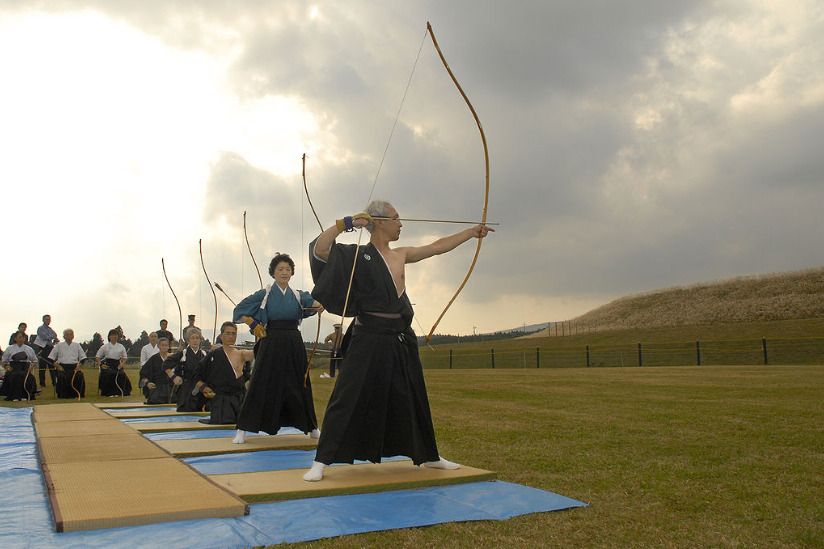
{"x": 634, "y": 145}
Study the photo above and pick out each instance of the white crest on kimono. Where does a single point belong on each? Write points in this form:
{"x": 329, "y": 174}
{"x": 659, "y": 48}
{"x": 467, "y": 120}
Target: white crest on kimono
{"x": 199, "y": 352}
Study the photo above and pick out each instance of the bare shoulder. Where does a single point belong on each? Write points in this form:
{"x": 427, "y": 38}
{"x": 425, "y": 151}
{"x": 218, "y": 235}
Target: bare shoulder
{"x": 403, "y": 252}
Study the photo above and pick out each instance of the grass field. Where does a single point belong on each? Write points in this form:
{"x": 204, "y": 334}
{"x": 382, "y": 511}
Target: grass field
{"x": 715, "y": 456}
{"x": 799, "y": 341}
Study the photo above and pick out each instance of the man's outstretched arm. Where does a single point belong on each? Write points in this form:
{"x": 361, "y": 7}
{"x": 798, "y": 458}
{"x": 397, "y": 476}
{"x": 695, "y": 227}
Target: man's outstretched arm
{"x": 445, "y": 244}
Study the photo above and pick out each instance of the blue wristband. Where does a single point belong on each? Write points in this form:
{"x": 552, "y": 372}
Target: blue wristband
{"x": 347, "y": 222}
{"x": 254, "y": 324}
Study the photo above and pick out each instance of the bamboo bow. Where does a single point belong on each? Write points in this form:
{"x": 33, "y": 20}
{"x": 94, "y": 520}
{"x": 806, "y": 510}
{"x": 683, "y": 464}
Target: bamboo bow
{"x": 214, "y": 295}
{"x": 486, "y": 179}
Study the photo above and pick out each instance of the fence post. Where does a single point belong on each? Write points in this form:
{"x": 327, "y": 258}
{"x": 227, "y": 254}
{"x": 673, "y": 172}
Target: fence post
{"x": 538, "y": 357}
{"x": 450, "y": 359}
{"x": 764, "y": 347}
{"x": 492, "y": 352}
{"x": 587, "y": 356}
{"x": 640, "y": 356}
{"x": 698, "y": 353}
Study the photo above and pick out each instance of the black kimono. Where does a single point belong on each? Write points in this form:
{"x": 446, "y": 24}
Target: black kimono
{"x": 70, "y": 382}
{"x": 279, "y": 394}
{"x": 18, "y": 383}
{"x": 113, "y": 380}
{"x": 185, "y": 363}
{"x": 157, "y": 372}
{"x": 379, "y": 407}
{"x": 216, "y": 372}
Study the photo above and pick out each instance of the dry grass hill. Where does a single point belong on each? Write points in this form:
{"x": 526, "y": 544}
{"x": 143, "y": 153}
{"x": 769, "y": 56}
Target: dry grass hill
{"x": 781, "y": 296}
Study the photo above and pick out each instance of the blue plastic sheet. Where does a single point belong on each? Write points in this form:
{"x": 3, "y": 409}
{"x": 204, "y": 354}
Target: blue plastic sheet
{"x": 252, "y": 462}
{"x": 169, "y": 408}
{"x": 212, "y": 433}
{"x": 27, "y": 523}
{"x": 162, "y": 419}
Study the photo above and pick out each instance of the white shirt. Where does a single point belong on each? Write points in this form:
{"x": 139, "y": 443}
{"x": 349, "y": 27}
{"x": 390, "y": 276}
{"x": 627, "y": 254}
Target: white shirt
{"x": 147, "y": 352}
{"x": 67, "y": 353}
{"x": 12, "y": 350}
{"x": 116, "y": 351}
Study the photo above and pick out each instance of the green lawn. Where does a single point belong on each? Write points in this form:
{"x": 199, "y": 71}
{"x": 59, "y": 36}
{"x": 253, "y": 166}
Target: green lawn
{"x": 788, "y": 342}
{"x": 729, "y": 456}
{"x": 715, "y": 456}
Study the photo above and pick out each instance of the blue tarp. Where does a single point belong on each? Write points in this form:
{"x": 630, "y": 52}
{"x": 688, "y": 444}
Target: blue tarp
{"x": 251, "y": 462}
{"x": 27, "y": 523}
{"x": 169, "y": 408}
{"x": 162, "y": 419}
{"x": 211, "y": 433}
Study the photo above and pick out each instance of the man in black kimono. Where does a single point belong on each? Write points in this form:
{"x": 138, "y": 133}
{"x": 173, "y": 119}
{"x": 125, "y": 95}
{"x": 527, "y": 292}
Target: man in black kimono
{"x": 222, "y": 375}
{"x": 156, "y": 374}
{"x": 379, "y": 407}
{"x": 185, "y": 363}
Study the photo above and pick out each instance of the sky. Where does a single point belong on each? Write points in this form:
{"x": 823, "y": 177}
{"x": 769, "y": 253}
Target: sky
{"x": 634, "y": 145}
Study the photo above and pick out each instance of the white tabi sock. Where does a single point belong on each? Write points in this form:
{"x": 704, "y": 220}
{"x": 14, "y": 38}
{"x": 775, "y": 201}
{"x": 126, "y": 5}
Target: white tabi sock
{"x": 240, "y": 437}
{"x": 315, "y": 433}
{"x": 315, "y": 473}
{"x": 441, "y": 464}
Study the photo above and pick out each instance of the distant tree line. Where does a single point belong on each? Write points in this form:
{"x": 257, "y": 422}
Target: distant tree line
{"x": 449, "y": 338}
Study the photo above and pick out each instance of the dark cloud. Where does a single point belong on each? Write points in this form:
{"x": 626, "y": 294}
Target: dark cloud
{"x": 595, "y": 199}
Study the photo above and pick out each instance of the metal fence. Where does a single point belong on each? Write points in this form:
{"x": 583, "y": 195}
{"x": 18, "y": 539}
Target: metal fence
{"x": 692, "y": 353}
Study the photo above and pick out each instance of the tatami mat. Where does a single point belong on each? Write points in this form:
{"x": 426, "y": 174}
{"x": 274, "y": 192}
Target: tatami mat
{"x": 132, "y": 404}
{"x": 81, "y": 428}
{"x": 175, "y": 426}
{"x": 98, "y": 448}
{"x": 349, "y": 479}
{"x": 67, "y": 412}
{"x": 210, "y": 446}
{"x": 106, "y": 494}
{"x": 153, "y": 413}
{"x": 101, "y": 473}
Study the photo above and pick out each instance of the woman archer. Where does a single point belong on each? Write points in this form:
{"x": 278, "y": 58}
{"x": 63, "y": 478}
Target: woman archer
{"x": 279, "y": 392}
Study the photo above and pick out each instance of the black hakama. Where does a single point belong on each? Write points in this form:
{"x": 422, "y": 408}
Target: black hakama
{"x": 187, "y": 370}
{"x": 18, "y": 383}
{"x": 113, "y": 380}
{"x": 154, "y": 371}
{"x": 70, "y": 382}
{"x": 277, "y": 395}
{"x": 379, "y": 406}
{"x": 217, "y": 373}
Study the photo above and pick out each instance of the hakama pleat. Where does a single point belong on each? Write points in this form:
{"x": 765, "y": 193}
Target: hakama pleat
{"x": 379, "y": 407}
{"x": 70, "y": 382}
{"x": 277, "y": 396}
{"x": 19, "y": 384}
{"x": 113, "y": 381}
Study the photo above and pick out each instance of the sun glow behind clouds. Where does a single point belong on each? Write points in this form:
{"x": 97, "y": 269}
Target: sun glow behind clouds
{"x": 107, "y": 137}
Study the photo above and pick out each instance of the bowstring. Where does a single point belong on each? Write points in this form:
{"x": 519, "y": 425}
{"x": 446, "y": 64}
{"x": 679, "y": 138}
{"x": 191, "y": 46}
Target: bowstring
{"x": 397, "y": 116}
{"x": 380, "y": 167}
